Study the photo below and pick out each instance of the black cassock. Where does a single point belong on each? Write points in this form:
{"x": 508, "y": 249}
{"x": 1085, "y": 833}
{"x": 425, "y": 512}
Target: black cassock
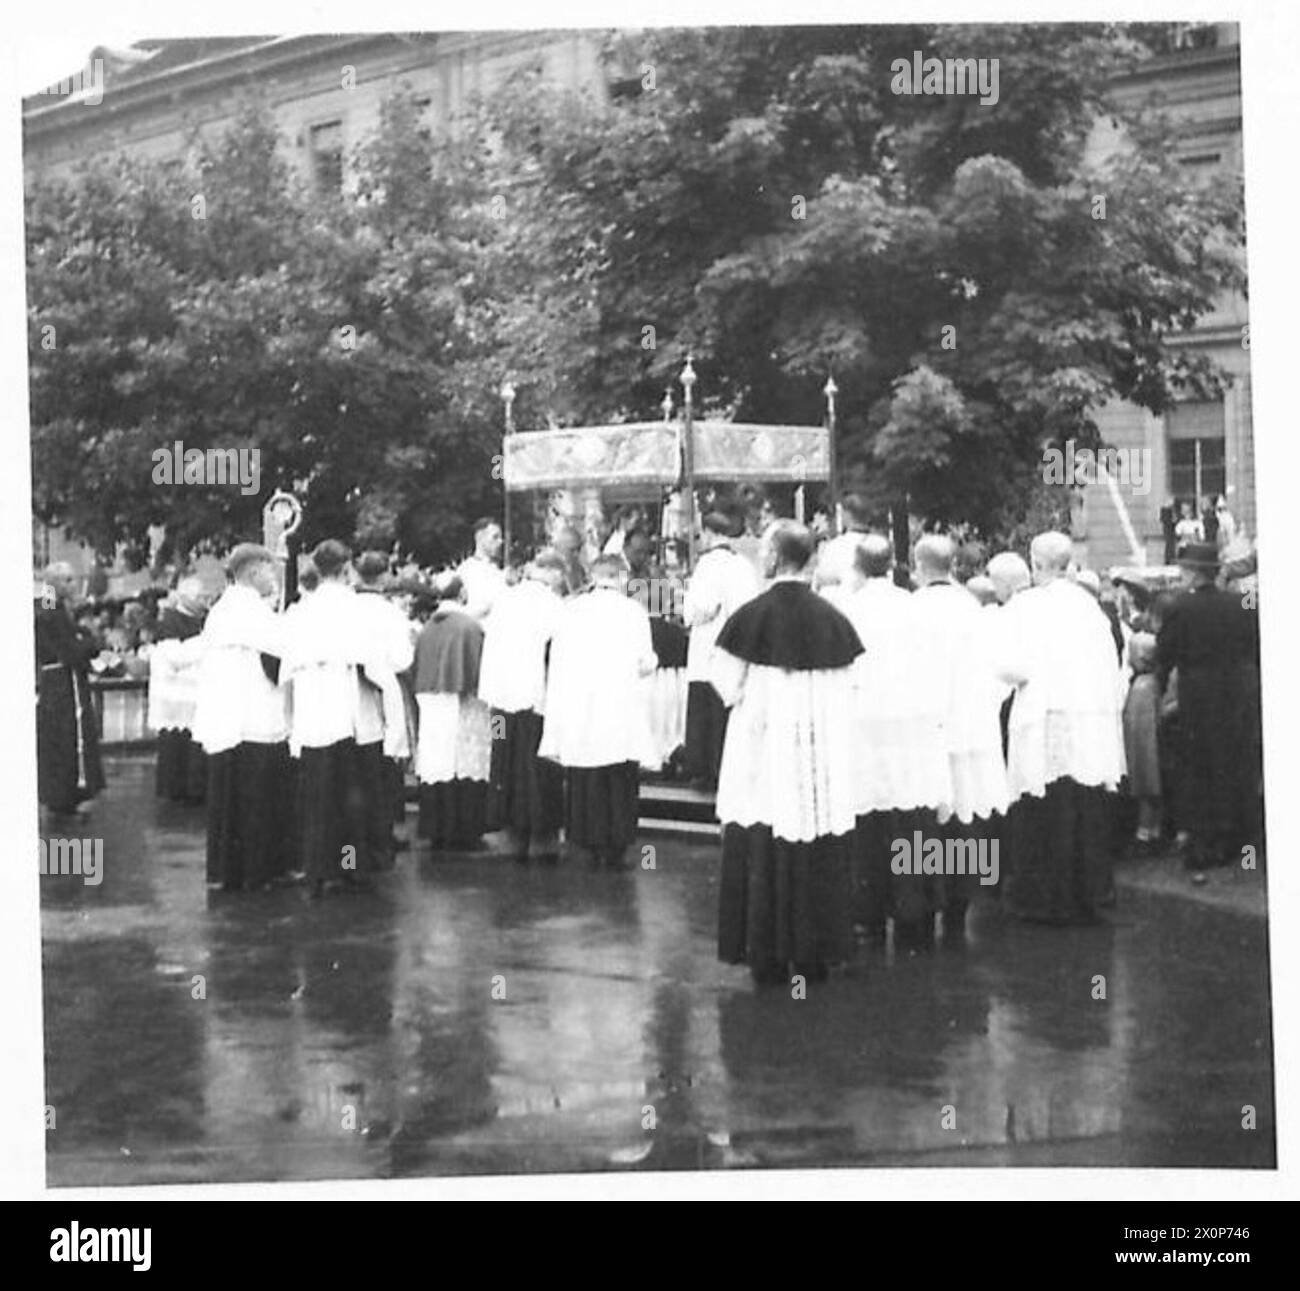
{"x": 181, "y": 772}
{"x": 68, "y": 768}
{"x": 1213, "y": 641}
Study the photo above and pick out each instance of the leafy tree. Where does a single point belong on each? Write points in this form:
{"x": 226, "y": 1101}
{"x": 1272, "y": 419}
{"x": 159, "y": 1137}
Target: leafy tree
{"x": 763, "y": 200}
{"x": 767, "y": 202}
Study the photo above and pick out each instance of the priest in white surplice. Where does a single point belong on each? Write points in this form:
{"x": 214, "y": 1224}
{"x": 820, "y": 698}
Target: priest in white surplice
{"x": 240, "y": 719}
{"x": 344, "y": 695}
{"x": 393, "y": 637}
{"x": 1066, "y": 742}
{"x": 512, "y": 682}
{"x": 902, "y": 765}
{"x": 721, "y": 582}
{"x": 955, "y": 686}
{"x": 836, "y": 575}
{"x": 596, "y": 724}
{"x": 787, "y": 793}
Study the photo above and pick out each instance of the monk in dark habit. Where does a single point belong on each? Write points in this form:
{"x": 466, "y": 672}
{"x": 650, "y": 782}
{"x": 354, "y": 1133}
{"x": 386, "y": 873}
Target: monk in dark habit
{"x": 68, "y": 767}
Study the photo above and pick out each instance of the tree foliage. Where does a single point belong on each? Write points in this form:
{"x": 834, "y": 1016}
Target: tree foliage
{"x": 763, "y": 200}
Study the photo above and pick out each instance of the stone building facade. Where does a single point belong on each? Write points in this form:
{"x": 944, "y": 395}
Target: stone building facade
{"x": 1198, "y": 448}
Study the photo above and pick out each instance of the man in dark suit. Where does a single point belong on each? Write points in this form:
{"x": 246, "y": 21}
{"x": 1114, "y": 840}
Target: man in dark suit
{"x": 1212, "y": 639}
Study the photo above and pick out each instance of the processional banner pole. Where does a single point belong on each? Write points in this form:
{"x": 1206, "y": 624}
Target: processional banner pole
{"x": 688, "y": 460}
{"x": 665, "y": 494}
{"x": 281, "y": 519}
{"x": 508, "y": 398}
{"x": 830, "y": 390}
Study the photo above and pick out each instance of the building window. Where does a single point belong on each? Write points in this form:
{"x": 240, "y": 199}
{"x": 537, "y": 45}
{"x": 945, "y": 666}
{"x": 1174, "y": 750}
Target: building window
{"x": 327, "y": 157}
{"x": 1197, "y": 464}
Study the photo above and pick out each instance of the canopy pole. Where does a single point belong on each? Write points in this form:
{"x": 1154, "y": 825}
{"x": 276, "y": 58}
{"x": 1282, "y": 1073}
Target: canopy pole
{"x": 508, "y": 398}
{"x": 830, "y": 390}
{"x": 688, "y": 462}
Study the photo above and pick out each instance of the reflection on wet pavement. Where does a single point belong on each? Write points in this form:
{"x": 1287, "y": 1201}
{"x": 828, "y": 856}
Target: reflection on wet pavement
{"x": 472, "y": 1016}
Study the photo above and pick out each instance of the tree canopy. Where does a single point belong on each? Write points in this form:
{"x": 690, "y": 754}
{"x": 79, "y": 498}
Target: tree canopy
{"x": 758, "y": 197}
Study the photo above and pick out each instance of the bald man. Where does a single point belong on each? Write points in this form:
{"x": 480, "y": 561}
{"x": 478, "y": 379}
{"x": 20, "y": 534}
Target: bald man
{"x": 1066, "y": 742}
{"x": 1009, "y": 574}
{"x": 954, "y": 684}
{"x": 901, "y": 766}
{"x": 68, "y": 768}
{"x": 787, "y": 792}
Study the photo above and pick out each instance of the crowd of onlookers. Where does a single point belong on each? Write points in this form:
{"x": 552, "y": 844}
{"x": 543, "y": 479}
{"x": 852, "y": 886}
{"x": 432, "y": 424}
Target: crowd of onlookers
{"x": 124, "y": 629}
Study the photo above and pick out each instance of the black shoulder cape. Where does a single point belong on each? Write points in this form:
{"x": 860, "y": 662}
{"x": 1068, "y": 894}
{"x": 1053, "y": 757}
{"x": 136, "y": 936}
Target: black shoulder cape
{"x": 790, "y": 626}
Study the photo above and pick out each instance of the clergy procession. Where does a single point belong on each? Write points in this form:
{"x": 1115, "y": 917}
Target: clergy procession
{"x": 883, "y": 745}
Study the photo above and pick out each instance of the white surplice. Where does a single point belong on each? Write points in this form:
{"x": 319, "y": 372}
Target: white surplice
{"x": 955, "y": 684}
{"x": 455, "y": 740}
{"x": 1067, "y": 718}
{"x": 484, "y": 581}
{"x": 595, "y": 711}
{"x": 723, "y": 581}
{"x": 512, "y": 670}
{"x": 328, "y": 644}
{"x": 174, "y": 683}
{"x": 903, "y": 762}
{"x": 788, "y": 761}
{"x": 235, "y": 702}
{"x": 392, "y": 639}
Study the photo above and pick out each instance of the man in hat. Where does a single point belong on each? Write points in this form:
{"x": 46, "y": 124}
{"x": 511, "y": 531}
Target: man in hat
{"x": 597, "y": 725}
{"x": 68, "y": 768}
{"x": 787, "y": 796}
{"x": 1212, "y": 639}
{"x": 512, "y": 681}
{"x": 181, "y": 772}
{"x": 721, "y": 583}
{"x": 1066, "y": 742}
{"x": 345, "y": 696}
{"x": 382, "y": 759}
{"x": 453, "y": 757}
{"x": 240, "y": 720}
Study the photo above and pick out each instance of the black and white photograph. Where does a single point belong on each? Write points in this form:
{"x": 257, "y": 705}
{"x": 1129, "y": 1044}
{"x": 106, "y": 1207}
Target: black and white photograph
{"x": 646, "y": 600}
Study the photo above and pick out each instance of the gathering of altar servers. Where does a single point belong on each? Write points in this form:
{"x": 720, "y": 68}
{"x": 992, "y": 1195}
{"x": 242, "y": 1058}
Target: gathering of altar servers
{"x": 848, "y": 717}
